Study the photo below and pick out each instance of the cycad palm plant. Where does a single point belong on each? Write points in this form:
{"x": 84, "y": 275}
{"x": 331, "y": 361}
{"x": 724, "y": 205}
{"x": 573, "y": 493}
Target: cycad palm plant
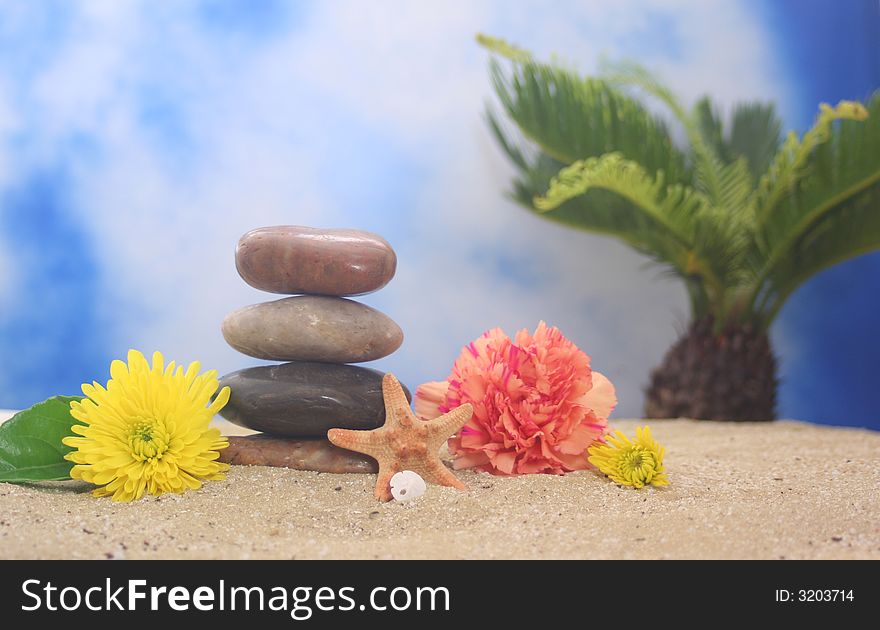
{"x": 742, "y": 214}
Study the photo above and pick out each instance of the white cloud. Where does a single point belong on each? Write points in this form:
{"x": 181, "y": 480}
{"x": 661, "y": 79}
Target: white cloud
{"x": 410, "y": 66}
{"x": 260, "y": 133}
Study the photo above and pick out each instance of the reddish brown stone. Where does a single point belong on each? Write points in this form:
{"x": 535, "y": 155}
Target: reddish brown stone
{"x": 317, "y": 455}
{"x": 291, "y": 259}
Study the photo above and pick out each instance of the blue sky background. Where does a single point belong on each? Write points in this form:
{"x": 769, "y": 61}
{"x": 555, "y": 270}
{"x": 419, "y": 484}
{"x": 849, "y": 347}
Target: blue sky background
{"x": 828, "y": 332}
{"x": 139, "y": 140}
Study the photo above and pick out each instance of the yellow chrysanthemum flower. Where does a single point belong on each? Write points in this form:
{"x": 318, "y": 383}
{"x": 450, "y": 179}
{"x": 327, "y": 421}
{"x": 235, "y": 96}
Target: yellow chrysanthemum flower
{"x": 636, "y": 464}
{"x": 148, "y": 430}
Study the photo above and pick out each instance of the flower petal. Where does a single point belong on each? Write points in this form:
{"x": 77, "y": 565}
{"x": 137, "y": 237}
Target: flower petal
{"x": 429, "y": 397}
{"x": 469, "y": 460}
{"x": 601, "y": 398}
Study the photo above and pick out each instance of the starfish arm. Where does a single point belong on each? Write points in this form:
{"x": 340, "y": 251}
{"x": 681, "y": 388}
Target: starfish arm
{"x": 441, "y": 475}
{"x": 358, "y": 441}
{"x": 396, "y": 404}
{"x": 439, "y": 429}
{"x": 383, "y": 481}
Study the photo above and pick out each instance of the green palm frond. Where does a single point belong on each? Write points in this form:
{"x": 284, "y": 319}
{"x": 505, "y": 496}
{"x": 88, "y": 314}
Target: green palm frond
{"x": 727, "y": 228}
{"x": 787, "y": 167}
{"x": 844, "y": 173}
{"x": 742, "y": 218}
{"x": 707, "y": 164}
{"x": 853, "y": 230}
{"x": 503, "y": 48}
{"x": 711, "y": 128}
{"x": 674, "y": 206}
{"x": 572, "y": 118}
{"x": 507, "y": 144}
{"x": 735, "y": 189}
{"x": 755, "y": 134}
{"x": 681, "y": 228}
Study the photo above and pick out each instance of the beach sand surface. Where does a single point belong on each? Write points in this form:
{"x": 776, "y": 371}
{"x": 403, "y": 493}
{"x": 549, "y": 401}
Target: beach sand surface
{"x": 776, "y": 490}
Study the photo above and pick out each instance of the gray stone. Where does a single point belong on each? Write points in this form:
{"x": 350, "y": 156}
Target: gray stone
{"x": 305, "y": 399}
{"x": 293, "y": 259}
{"x": 312, "y": 328}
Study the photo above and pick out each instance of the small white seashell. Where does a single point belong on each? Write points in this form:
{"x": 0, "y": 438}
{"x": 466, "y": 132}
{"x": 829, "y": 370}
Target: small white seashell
{"x": 407, "y": 485}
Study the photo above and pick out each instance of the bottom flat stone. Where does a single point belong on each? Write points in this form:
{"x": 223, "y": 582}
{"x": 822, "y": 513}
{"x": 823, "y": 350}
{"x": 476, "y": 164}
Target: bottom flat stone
{"x": 300, "y": 454}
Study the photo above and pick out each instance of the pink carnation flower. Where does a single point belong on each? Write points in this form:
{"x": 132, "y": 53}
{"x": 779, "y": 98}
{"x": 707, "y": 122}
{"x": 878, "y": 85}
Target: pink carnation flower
{"x": 537, "y": 404}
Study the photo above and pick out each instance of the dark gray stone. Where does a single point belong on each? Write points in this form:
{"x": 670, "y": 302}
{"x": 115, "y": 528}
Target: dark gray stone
{"x": 312, "y": 328}
{"x": 305, "y": 399}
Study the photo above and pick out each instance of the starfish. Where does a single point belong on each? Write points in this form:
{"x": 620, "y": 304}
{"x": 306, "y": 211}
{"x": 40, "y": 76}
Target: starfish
{"x": 405, "y": 442}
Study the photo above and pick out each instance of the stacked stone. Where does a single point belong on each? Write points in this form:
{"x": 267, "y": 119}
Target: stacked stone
{"x": 318, "y": 333}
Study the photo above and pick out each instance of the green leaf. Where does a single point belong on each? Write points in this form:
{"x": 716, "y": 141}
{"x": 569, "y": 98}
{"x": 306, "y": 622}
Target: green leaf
{"x": 570, "y": 118}
{"x": 30, "y": 442}
{"x": 787, "y": 167}
{"x": 514, "y": 152}
{"x": 853, "y": 229}
{"x": 711, "y": 128}
{"x": 800, "y": 236}
{"x": 735, "y": 187}
{"x": 503, "y": 48}
{"x": 677, "y": 226}
{"x": 707, "y": 164}
{"x": 755, "y": 134}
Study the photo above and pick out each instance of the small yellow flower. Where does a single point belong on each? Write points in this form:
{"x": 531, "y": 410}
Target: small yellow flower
{"x": 628, "y": 463}
{"x": 148, "y": 430}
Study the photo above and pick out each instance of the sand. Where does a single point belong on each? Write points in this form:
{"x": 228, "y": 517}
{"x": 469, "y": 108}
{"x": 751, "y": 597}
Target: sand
{"x": 779, "y": 490}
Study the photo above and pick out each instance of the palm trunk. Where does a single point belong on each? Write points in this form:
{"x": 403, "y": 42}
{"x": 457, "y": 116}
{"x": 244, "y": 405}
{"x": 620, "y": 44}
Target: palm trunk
{"x": 712, "y": 376}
